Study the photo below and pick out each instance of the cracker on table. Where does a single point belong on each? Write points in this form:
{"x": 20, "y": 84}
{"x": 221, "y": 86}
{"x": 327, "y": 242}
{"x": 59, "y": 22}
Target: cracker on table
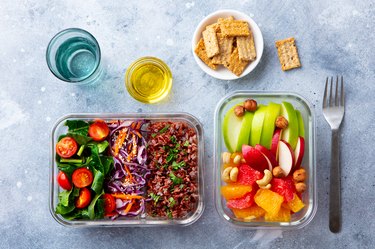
{"x": 288, "y": 54}
{"x": 246, "y": 47}
{"x": 200, "y": 50}
{"x": 234, "y": 28}
{"x": 226, "y": 47}
{"x": 210, "y": 42}
{"x": 235, "y": 64}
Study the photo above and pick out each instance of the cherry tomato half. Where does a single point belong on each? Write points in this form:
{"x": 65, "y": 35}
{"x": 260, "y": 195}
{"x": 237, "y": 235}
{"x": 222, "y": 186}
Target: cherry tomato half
{"x": 82, "y": 177}
{"x": 84, "y": 198}
{"x": 98, "y": 130}
{"x": 66, "y": 147}
{"x": 109, "y": 203}
{"x": 63, "y": 181}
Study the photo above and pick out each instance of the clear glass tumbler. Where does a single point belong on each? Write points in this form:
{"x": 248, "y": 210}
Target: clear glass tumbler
{"x": 73, "y": 55}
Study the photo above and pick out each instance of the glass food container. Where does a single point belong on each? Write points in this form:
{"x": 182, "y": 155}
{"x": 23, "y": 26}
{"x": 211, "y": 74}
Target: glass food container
{"x": 299, "y": 219}
{"x": 141, "y": 220}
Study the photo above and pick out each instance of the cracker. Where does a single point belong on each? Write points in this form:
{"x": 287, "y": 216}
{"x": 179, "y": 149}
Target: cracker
{"x": 236, "y": 65}
{"x": 216, "y": 27}
{"x": 226, "y": 46}
{"x": 229, "y": 18}
{"x": 200, "y": 50}
{"x": 246, "y": 48}
{"x": 288, "y": 54}
{"x": 210, "y": 42}
{"x": 234, "y": 28}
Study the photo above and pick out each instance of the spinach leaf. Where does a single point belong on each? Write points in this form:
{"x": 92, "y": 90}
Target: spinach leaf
{"x": 61, "y": 137}
{"x": 97, "y": 184}
{"x": 79, "y": 127}
{"x": 91, "y": 208}
{"x": 77, "y": 214}
{"x": 94, "y": 159}
{"x": 80, "y": 139}
{"x": 66, "y": 201}
{"x": 67, "y": 168}
{"x": 107, "y": 162}
{"x": 102, "y": 146}
{"x": 60, "y": 209}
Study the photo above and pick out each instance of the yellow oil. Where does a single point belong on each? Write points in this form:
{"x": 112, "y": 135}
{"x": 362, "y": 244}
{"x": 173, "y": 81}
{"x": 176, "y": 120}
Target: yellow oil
{"x": 149, "y": 81}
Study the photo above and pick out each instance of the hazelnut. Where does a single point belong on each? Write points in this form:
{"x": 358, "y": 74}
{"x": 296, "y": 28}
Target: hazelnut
{"x": 239, "y": 111}
{"x": 278, "y": 172}
{"x": 300, "y": 187}
{"x": 299, "y": 175}
{"x": 281, "y": 122}
{"x": 250, "y": 105}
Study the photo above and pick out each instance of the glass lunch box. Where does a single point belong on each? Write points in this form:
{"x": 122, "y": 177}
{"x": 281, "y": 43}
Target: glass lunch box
{"x": 141, "y": 220}
{"x": 309, "y": 197}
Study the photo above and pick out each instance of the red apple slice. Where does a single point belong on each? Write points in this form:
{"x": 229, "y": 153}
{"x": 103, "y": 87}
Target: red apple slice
{"x": 254, "y": 158}
{"x": 286, "y": 157}
{"x": 299, "y": 152}
{"x": 267, "y": 154}
{"x": 275, "y": 141}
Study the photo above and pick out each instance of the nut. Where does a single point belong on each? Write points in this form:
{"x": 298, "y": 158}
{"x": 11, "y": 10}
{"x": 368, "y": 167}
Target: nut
{"x": 299, "y": 175}
{"x": 225, "y": 175}
{"x": 226, "y": 157}
{"x": 268, "y": 186}
{"x": 237, "y": 159}
{"x": 250, "y": 218}
{"x": 233, "y": 174}
{"x": 281, "y": 122}
{"x": 300, "y": 187}
{"x": 266, "y": 179}
{"x": 239, "y": 111}
{"x": 250, "y": 105}
{"x": 278, "y": 172}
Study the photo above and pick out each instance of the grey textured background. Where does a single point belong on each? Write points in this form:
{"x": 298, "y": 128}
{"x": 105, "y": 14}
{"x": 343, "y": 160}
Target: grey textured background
{"x": 333, "y": 37}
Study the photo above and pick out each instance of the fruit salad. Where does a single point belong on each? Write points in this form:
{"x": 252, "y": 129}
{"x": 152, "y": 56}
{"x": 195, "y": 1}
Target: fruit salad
{"x": 262, "y": 169}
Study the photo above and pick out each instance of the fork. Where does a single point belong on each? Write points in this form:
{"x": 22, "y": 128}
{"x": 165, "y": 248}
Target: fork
{"x": 333, "y": 111}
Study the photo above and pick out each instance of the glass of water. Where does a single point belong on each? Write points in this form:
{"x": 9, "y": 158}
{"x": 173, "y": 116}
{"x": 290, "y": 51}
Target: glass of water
{"x": 73, "y": 55}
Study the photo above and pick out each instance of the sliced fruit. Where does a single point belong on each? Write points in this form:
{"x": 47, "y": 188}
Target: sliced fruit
{"x": 254, "y": 158}
{"x": 296, "y": 204}
{"x": 275, "y": 141}
{"x": 248, "y": 175}
{"x": 244, "y": 202}
{"x": 284, "y": 187}
{"x": 234, "y": 191}
{"x": 269, "y": 201}
{"x": 254, "y": 210}
{"x": 257, "y": 125}
{"x": 285, "y": 157}
{"x": 282, "y": 216}
{"x": 273, "y": 110}
{"x": 267, "y": 154}
{"x": 301, "y": 125}
{"x": 290, "y": 134}
{"x": 231, "y": 129}
{"x": 299, "y": 152}
{"x": 244, "y": 135}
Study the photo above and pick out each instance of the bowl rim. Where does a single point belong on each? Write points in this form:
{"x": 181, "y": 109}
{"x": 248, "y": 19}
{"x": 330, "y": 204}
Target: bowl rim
{"x": 258, "y": 40}
{"x": 310, "y": 213}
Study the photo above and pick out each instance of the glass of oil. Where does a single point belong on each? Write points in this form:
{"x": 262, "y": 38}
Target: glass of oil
{"x": 148, "y": 80}
{"x": 73, "y": 55}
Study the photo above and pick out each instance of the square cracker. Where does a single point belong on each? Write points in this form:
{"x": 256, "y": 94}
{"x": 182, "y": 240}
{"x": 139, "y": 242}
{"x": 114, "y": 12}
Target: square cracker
{"x": 216, "y": 27}
{"x": 288, "y": 54}
{"x": 229, "y": 18}
{"x": 226, "y": 46}
{"x": 236, "y": 65}
{"x": 246, "y": 48}
{"x": 234, "y": 28}
{"x": 210, "y": 42}
{"x": 200, "y": 50}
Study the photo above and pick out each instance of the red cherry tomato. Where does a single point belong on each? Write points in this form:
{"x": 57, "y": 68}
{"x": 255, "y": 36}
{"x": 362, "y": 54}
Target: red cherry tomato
{"x": 63, "y": 181}
{"x": 84, "y": 198}
{"x": 98, "y": 130}
{"x": 82, "y": 177}
{"x": 109, "y": 203}
{"x": 66, "y": 147}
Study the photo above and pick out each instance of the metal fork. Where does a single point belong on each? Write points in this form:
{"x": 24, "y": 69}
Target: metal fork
{"x": 333, "y": 111}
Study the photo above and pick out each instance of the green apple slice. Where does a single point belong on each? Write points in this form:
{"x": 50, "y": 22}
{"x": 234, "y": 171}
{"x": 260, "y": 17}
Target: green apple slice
{"x": 273, "y": 110}
{"x": 257, "y": 125}
{"x": 244, "y": 135}
{"x": 290, "y": 134}
{"x": 301, "y": 125}
{"x": 231, "y": 129}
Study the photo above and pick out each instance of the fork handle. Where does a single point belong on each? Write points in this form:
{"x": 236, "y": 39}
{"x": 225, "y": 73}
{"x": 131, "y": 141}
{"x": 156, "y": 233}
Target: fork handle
{"x": 335, "y": 185}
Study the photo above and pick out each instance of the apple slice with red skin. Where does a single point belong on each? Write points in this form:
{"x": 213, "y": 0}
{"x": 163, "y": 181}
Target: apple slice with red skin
{"x": 275, "y": 141}
{"x": 286, "y": 157}
{"x": 268, "y": 155}
{"x": 254, "y": 158}
{"x": 299, "y": 152}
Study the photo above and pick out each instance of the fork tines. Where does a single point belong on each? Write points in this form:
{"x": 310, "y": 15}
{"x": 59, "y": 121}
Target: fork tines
{"x": 334, "y": 101}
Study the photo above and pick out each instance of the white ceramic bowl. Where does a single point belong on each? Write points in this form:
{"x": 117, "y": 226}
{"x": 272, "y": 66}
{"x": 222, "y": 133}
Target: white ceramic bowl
{"x": 221, "y": 72}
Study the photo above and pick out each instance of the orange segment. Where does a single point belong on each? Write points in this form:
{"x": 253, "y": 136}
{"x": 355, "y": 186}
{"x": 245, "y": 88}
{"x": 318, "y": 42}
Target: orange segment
{"x": 234, "y": 191}
{"x": 269, "y": 201}
{"x": 296, "y": 204}
{"x": 282, "y": 216}
{"x": 248, "y": 212}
